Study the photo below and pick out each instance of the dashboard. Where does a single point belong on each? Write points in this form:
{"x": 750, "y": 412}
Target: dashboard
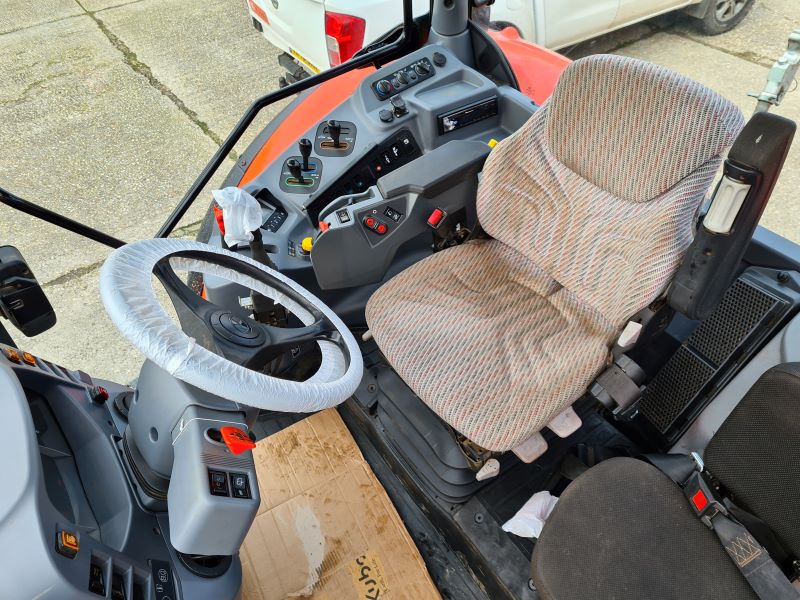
{"x": 363, "y": 182}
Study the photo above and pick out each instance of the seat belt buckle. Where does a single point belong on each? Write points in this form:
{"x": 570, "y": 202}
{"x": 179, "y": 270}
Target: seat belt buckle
{"x": 702, "y": 497}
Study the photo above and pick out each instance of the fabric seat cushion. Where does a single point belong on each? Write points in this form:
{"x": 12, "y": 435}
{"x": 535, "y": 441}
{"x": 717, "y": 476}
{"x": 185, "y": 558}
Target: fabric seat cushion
{"x": 756, "y": 452}
{"x": 494, "y": 345}
{"x": 624, "y": 531}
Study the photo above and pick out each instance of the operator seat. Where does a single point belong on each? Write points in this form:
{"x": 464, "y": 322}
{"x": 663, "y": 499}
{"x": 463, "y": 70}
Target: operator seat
{"x": 624, "y": 530}
{"x": 591, "y": 206}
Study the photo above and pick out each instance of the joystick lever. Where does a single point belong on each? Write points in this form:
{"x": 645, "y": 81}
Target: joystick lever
{"x": 305, "y": 152}
{"x": 296, "y": 169}
{"x": 334, "y": 130}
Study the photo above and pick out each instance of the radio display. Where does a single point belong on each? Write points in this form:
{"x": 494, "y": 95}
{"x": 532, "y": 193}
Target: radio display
{"x": 467, "y": 115}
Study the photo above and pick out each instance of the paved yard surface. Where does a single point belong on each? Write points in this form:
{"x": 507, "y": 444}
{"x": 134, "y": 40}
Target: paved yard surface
{"x": 108, "y": 110}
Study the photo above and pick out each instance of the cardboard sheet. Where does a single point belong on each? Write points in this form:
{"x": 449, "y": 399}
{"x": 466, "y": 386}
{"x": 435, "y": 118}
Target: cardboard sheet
{"x": 326, "y": 530}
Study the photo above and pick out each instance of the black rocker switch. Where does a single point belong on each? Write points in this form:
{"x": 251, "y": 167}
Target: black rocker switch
{"x": 296, "y": 169}
{"x": 305, "y": 151}
{"x": 334, "y": 130}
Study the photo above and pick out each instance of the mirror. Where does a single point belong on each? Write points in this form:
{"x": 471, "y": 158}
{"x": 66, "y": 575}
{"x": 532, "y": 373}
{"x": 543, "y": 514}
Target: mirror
{"x": 22, "y": 300}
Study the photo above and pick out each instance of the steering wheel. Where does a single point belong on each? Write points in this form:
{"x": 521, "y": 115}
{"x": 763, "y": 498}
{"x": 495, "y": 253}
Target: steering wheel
{"x": 219, "y": 349}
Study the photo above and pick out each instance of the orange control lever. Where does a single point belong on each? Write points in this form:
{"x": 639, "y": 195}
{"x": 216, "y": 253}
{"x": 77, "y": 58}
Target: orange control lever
{"x": 236, "y": 440}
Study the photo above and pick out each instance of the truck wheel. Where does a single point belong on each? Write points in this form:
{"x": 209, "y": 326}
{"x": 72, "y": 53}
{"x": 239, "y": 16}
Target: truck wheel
{"x": 724, "y": 15}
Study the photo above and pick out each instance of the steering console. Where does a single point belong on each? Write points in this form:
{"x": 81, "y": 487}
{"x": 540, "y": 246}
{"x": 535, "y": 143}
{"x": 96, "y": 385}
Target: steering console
{"x": 207, "y": 375}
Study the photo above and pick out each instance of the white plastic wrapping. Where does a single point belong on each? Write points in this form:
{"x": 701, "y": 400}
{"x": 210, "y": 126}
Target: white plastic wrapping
{"x": 241, "y": 214}
{"x": 127, "y": 292}
{"x": 529, "y": 520}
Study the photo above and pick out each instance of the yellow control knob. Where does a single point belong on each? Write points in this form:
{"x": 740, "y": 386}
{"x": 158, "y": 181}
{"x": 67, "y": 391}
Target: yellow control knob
{"x": 307, "y": 244}
{"x": 492, "y": 143}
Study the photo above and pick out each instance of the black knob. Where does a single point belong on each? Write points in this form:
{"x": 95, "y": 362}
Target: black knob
{"x": 439, "y": 59}
{"x": 296, "y": 169}
{"x": 422, "y": 69}
{"x": 383, "y": 86}
{"x": 305, "y": 151}
{"x": 398, "y": 106}
{"x": 402, "y": 78}
{"x": 334, "y": 130}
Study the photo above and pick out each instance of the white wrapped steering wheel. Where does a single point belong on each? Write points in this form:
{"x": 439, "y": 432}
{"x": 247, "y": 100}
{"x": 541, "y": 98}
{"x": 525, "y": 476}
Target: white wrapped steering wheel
{"x": 225, "y": 340}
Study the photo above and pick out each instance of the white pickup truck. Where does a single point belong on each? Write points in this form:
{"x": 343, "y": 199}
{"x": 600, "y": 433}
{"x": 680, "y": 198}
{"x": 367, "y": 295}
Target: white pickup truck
{"x": 318, "y": 34}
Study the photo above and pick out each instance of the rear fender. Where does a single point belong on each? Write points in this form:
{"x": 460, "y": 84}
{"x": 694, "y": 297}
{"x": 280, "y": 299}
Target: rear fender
{"x": 537, "y": 69}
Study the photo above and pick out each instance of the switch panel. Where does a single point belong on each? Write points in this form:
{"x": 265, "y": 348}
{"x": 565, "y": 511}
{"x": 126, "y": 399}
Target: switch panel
{"x": 397, "y": 151}
{"x": 403, "y": 79}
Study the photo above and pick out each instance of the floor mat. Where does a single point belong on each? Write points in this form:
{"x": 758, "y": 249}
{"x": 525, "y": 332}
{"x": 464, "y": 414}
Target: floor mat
{"x": 326, "y": 529}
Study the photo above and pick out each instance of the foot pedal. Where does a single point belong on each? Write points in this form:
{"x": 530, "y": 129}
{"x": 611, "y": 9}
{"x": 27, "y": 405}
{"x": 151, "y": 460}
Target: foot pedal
{"x": 566, "y": 423}
{"x": 489, "y": 469}
{"x": 532, "y": 448}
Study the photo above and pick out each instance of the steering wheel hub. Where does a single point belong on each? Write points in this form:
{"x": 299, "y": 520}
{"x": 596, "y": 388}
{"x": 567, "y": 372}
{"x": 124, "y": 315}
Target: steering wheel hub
{"x": 236, "y": 329}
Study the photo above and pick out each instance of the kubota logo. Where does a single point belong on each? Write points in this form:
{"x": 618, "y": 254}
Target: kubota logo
{"x": 275, "y": 4}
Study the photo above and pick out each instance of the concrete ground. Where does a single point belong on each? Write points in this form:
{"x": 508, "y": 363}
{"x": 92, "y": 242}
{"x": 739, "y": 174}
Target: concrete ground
{"x": 109, "y": 109}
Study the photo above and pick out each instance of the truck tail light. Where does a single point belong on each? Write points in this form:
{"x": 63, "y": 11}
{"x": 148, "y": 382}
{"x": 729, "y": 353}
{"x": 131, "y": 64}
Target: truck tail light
{"x": 344, "y": 36}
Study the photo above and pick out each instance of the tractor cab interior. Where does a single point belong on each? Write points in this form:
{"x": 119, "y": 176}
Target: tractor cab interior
{"x": 503, "y": 298}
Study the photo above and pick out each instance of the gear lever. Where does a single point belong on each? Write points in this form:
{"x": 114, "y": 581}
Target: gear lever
{"x": 305, "y": 151}
{"x": 334, "y": 130}
{"x": 296, "y": 169}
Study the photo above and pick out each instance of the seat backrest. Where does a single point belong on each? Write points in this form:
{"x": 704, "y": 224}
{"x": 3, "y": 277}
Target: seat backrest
{"x": 601, "y": 186}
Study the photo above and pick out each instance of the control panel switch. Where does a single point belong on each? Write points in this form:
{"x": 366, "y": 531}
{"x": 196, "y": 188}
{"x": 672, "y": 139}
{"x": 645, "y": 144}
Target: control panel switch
{"x": 240, "y": 486}
{"x": 99, "y": 394}
{"x": 306, "y": 245}
{"x": 436, "y": 218}
{"x": 399, "y": 106}
{"x": 67, "y": 543}
{"x": 296, "y": 170}
{"x": 218, "y": 482}
{"x": 381, "y": 228}
{"x": 335, "y": 131}
{"x": 386, "y": 116}
{"x": 305, "y": 152}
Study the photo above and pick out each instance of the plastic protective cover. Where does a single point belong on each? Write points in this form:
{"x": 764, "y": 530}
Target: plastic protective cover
{"x": 241, "y": 214}
{"x": 529, "y": 520}
{"x": 126, "y": 288}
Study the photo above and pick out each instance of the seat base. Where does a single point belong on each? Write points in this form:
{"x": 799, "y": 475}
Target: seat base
{"x": 624, "y": 530}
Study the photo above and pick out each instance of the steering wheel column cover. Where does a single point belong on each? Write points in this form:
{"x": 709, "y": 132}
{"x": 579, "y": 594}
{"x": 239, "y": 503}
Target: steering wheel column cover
{"x": 126, "y": 288}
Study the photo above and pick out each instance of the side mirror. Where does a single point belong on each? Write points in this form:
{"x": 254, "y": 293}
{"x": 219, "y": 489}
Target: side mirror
{"x": 22, "y": 300}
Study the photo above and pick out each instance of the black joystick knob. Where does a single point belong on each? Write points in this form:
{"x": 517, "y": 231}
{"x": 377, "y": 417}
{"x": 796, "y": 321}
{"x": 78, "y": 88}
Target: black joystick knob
{"x": 305, "y": 151}
{"x": 334, "y": 130}
{"x": 296, "y": 169}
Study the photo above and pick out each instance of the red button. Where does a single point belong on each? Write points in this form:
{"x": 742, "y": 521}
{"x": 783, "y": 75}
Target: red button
{"x": 699, "y": 500}
{"x": 381, "y": 229}
{"x": 369, "y": 222}
{"x": 436, "y": 218}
